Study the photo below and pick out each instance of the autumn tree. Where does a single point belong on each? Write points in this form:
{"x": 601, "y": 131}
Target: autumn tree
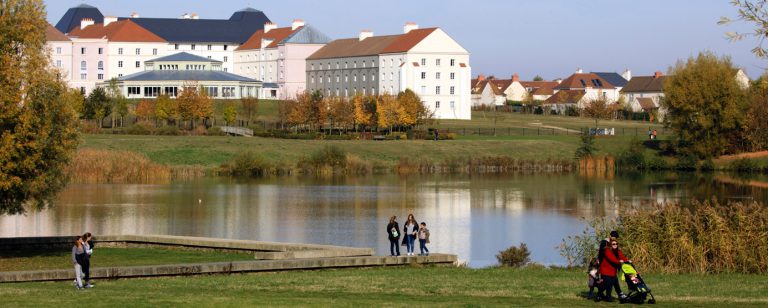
{"x": 38, "y": 124}
{"x": 249, "y": 108}
{"x": 598, "y": 108}
{"x": 166, "y": 109}
{"x": 705, "y": 105}
{"x": 97, "y": 106}
{"x": 341, "y": 112}
{"x": 145, "y": 110}
{"x": 309, "y": 109}
{"x": 756, "y": 115}
{"x": 230, "y": 114}
{"x": 76, "y": 100}
{"x": 411, "y": 110}
{"x": 194, "y": 104}
{"x": 365, "y": 110}
{"x": 387, "y": 111}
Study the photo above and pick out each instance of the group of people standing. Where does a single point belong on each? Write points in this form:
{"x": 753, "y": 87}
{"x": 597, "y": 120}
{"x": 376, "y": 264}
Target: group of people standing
{"x": 652, "y": 134}
{"x": 411, "y": 231}
{"x": 81, "y": 258}
{"x": 604, "y": 268}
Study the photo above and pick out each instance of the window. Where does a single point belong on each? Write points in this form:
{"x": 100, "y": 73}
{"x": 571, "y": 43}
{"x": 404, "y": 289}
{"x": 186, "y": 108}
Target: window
{"x": 437, "y": 90}
{"x": 373, "y": 91}
{"x": 453, "y": 90}
{"x": 100, "y": 76}
{"x": 437, "y": 75}
{"x": 151, "y": 91}
{"x": 212, "y": 91}
{"x": 583, "y": 84}
{"x": 101, "y": 51}
{"x": 373, "y": 63}
{"x": 391, "y": 76}
{"x": 82, "y": 90}
{"x": 210, "y": 47}
{"x": 373, "y": 77}
{"x": 176, "y": 46}
{"x": 423, "y": 61}
{"x": 83, "y": 76}
{"x": 423, "y": 90}
{"x": 138, "y": 64}
{"x": 134, "y": 90}
{"x": 453, "y": 76}
{"x": 312, "y": 80}
{"x": 119, "y": 75}
{"x": 391, "y": 62}
{"x": 354, "y": 78}
{"x": 423, "y": 75}
{"x": 437, "y": 62}
{"x": 346, "y": 78}
{"x": 171, "y": 91}
{"x": 363, "y": 77}
{"x": 154, "y": 51}
{"x": 83, "y": 65}
{"x": 225, "y": 70}
{"x": 58, "y": 50}
{"x": 225, "y": 58}
{"x": 100, "y": 65}
{"x": 453, "y": 63}
{"x": 453, "y": 105}
{"x": 437, "y": 104}
{"x": 227, "y": 92}
{"x": 58, "y": 63}
{"x": 225, "y": 47}
{"x": 119, "y": 63}
{"x": 209, "y": 57}
{"x": 82, "y": 50}
{"x": 193, "y": 46}
{"x": 338, "y": 78}
{"x": 364, "y": 90}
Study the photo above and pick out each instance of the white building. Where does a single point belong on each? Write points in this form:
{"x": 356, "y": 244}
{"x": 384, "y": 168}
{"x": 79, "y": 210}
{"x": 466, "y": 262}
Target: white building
{"x": 60, "y": 48}
{"x": 427, "y": 61}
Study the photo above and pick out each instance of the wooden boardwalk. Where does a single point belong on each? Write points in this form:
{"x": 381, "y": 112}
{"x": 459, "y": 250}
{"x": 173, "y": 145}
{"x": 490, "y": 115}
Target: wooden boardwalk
{"x": 237, "y": 131}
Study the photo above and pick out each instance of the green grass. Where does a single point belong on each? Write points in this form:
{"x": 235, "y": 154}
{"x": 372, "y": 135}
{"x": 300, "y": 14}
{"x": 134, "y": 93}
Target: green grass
{"x": 401, "y": 286}
{"x": 505, "y": 120}
{"x": 108, "y": 257}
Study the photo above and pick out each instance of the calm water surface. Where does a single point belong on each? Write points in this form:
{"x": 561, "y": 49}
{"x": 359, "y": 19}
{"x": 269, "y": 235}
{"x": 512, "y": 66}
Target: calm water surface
{"x": 472, "y": 216}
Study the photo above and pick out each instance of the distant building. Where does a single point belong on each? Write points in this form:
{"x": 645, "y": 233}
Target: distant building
{"x": 487, "y": 92}
{"x": 277, "y": 56}
{"x": 427, "y": 61}
{"x": 644, "y": 93}
{"x": 592, "y": 85}
{"x": 171, "y": 74}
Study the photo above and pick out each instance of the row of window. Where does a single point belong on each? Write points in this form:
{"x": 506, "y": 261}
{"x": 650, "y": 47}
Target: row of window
{"x": 437, "y": 105}
{"x": 226, "y": 92}
{"x": 438, "y": 75}
{"x": 247, "y": 57}
{"x": 84, "y": 76}
{"x": 138, "y": 51}
{"x": 451, "y": 90}
{"x": 194, "y": 47}
{"x": 373, "y": 63}
{"x": 346, "y": 78}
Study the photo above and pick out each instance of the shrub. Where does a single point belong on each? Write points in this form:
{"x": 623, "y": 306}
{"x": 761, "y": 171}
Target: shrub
{"x": 656, "y": 163}
{"x": 744, "y": 165}
{"x": 587, "y": 147}
{"x": 139, "y": 129}
{"x": 686, "y": 163}
{"x": 515, "y": 256}
{"x": 168, "y": 130}
{"x": 246, "y": 164}
{"x": 332, "y": 156}
{"x": 215, "y": 131}
{"x": 708, "y": 165}
{"x": 633, "y": 157}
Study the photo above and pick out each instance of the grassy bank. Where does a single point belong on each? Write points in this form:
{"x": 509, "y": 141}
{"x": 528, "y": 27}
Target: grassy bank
{"x": 108, "y": 257}
{"x": 402, "y": 286}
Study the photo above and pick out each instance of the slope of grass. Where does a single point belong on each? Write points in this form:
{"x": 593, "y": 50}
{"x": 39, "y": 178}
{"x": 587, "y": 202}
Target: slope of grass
{"x": 401, "y": 286}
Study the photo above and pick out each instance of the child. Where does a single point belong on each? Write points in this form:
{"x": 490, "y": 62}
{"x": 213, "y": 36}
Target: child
{"x": 423, "y": 238}
{"x": 594, "y": 277}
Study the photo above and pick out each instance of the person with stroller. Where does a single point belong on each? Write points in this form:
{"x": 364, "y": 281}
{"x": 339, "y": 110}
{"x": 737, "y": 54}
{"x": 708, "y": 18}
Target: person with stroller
{"x": 612, "y": 259}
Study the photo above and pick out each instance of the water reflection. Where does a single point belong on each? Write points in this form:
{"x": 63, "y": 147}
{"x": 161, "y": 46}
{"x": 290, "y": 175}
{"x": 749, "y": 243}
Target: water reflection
{"x": 474, "y": 217}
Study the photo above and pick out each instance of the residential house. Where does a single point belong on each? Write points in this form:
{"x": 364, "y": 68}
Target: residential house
{"x": 277, "y": 56}
{"x": 592, "y": 85}
{"x": 644, "y": 93}
{"x": 486, "y": 92}
{"x": 540, "y": 90}
{"x": 427, "y": 61}
{"x": 561, "y": 100}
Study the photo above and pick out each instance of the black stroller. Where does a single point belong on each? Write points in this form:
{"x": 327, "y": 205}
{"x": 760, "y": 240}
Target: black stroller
{"x": 638, "y": 290}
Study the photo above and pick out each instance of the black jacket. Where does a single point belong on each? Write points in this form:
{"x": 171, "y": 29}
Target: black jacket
{"x": 391, "y": 226}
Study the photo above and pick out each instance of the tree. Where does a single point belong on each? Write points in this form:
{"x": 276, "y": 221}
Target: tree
{"x": 97, "y": 106}
{"x": 754, "y": 12}
{"x": 387, "y": 111}
{"x": 230, "y": 114}
{"x": 38, "y": 124}
{"x": 118, "y": 103}
{"x": 410, "y": 109}
{"x": 145, "y": 110}
{"x": 705, "y": 105}
{"x": 538, "y": 78}
{"x": 249, "y": 108}
{"x": 186, "y": 102}
{"x": 341, "y": 112}
{"x": 166, "y": 109}
{"x": 363, "y": 114}
{"x": 599, "y": 108}
{"x": 757, "y": 126}
{"x": 309, "y": 109}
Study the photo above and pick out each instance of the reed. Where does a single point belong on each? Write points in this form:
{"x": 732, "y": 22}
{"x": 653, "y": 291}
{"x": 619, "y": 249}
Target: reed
{"x": 481, "y": 165}
{"x": 107, "y": 166}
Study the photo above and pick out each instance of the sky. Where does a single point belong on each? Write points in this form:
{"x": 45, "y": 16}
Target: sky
{"x": 550, "y": 38}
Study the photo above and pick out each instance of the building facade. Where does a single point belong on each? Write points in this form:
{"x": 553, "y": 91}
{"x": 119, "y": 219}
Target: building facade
{"x": 427, "y": 61}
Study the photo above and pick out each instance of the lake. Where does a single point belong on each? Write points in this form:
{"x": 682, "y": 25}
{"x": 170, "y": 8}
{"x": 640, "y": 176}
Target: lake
{"x": 472, "y": 216}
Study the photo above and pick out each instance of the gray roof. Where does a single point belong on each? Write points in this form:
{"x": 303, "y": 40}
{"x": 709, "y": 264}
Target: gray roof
{"x": 72, "y": 17}
{"x": 237, "y": 29}
{"x": 307, "y": 35}
{"x": 183, "y": 75}
{"x": 183, "y": 57}
{"x": 613, "y": 78}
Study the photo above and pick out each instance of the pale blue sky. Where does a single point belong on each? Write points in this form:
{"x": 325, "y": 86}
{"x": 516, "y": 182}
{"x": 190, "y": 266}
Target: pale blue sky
{"x": 547, "y": 37}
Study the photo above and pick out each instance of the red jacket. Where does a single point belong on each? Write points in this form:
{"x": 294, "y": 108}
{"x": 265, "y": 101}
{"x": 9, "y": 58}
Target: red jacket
{"x": 610, "y": 262}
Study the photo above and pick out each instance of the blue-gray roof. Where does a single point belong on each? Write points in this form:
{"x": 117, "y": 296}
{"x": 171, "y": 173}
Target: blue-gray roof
{"x": 269, "y": 85}
{"x": 72, "y": 17}
{"x": 307, "y": 35}
{"x": 237, "y": 29}
{"x": 182, "y": 75}
{"x": 183, "y": 57}
{"x": 613, "y": 78}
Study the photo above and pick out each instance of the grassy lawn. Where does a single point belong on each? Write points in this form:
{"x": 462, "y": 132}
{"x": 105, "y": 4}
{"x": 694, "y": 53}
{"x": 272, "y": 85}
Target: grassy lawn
{"x": 520, "y": 120}
{"x": 401, "y": 286}
{"x": 108, "y": 257}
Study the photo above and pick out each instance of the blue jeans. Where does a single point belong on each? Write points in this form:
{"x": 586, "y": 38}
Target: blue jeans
{"x": 410, "y": 246}
{"x": 423, "y": 246}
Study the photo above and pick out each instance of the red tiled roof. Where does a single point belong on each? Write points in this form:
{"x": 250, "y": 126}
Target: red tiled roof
{"x": 584, "y": 80}
{"x": 276, "y": 35}
{"x": 543, "y": 91}
{"x": 645, "y": 84}
{"x": 539, "y": 84}
{"x": 119, "y": 31}
{"x": 566, "y": 97}
{"x": 354, "y": 47}
{"x": 54, "y": 35}
{"x": 647, "y": 103}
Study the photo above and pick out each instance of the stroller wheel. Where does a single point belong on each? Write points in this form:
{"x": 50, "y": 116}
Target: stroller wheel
{"x": 651, "y": 301}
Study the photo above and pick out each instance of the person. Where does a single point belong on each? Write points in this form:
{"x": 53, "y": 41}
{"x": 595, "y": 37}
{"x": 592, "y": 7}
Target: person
{"x": 654, "y": 134}
{"x": 650, "y": 134}
{"x": 410, "y": 230}
{"x": 78, "y": 258}
{"x": 437, "y": 135}
{"x": 604, "y": 243}
{"x": 423, "y": 239}
{"x": 88, "y": 246}
{"x": 394, "y": 236}
{"x": 612, "y": 259}
{"x": 593, "y": 274}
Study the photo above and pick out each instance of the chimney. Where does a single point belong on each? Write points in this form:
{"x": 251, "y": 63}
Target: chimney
{"x": 269, "y": 26}
{"x": 185, "y": 16}
{"x": 134, "y": 15}
{"x": 195, "y": 16}
{"x": 657, "y": 74}
{"x": 480, "y": 77}
{"x": 365, "y": 34}
{"x": 579, "y": 71}
{"x": 515, "y": 78}
{"x": 627, "y": 74}
{"x": 109, "y": 19}
{"x": 410, "y": 26}
{"x": 85, "y": 22}
{"x": 297, "y": 23}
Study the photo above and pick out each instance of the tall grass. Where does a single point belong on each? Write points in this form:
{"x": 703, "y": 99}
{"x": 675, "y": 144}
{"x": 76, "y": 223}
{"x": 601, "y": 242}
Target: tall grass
{"x": 703, "y": 237}
{"x": 107, "y": 166}
{"x": 481, "y": 165}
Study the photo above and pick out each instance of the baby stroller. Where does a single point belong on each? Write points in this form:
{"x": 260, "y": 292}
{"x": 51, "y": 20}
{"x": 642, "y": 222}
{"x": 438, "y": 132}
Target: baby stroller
{"x": 638, "y": 291}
